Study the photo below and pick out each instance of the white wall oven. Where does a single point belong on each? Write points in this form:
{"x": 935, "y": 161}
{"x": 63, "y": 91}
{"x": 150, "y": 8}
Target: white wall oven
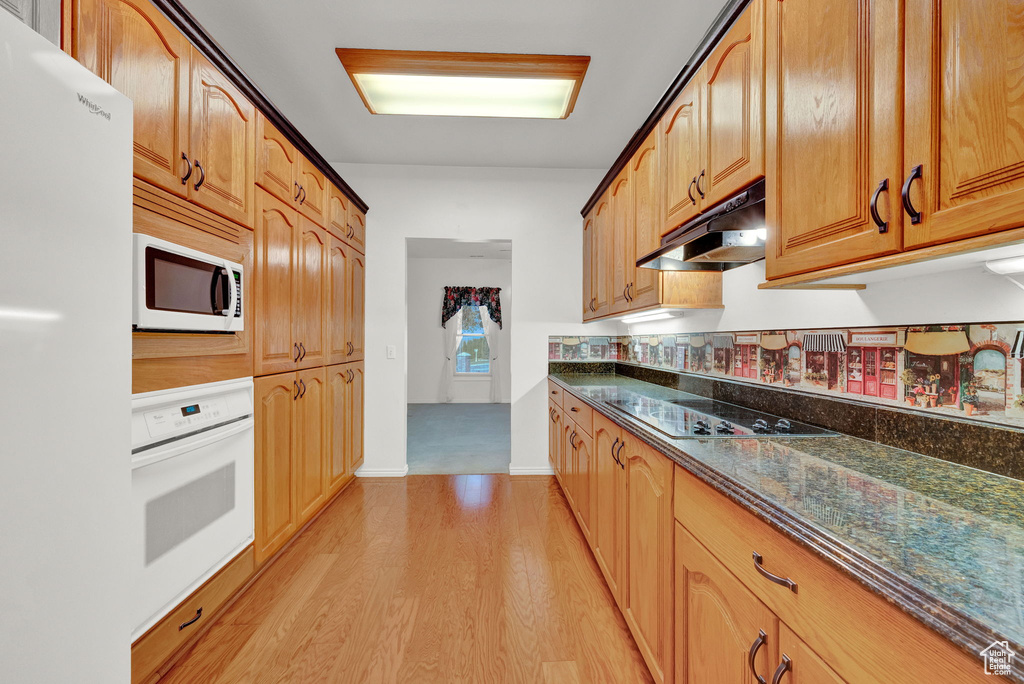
{"x": 192, "y": 491}
{"x": 183, "y": 289}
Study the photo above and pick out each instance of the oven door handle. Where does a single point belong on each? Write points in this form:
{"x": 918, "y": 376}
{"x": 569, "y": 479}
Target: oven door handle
{"x": 189, "y": 443}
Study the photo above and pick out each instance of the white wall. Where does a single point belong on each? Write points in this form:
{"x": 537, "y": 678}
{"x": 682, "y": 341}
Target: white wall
{"x": 426, "y": 280}
{"x": 538, "y": 210}
{"x": 960, "y": 296}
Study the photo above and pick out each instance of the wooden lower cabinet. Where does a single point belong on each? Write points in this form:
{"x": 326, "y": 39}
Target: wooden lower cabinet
{"x": 555, "y": 438}
{"x": 798, "y": 664}
{"x": 276, "y": 518}
{"x": 648, "y": 592}
{"x": 355, "y": 422}
{"x": 717, "y": 620}
{"x": 609, "y": 505}
{"x": 310, "y": 442}
{"x": 582, "y": 479}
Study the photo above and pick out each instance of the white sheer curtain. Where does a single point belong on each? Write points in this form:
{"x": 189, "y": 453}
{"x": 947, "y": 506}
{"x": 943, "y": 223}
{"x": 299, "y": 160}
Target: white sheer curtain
{"x": 452, "y": 339}
{"x": 491, "y": 333}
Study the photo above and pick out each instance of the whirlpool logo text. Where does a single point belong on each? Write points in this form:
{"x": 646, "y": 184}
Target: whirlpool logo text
{"x": 93, "y": 107}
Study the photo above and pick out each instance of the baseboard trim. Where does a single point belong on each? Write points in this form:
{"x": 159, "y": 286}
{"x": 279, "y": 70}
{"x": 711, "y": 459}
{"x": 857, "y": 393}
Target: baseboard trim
{"x": 519, "y": 470}
{"x": 383, "y": 472}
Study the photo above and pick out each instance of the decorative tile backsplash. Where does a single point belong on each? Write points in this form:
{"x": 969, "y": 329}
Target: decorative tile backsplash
{"x": 972, "y": 370}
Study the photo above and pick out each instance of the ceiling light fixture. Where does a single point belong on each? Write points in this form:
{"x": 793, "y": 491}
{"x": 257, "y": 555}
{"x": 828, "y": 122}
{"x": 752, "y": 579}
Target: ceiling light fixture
{"x": 465, "y": 83}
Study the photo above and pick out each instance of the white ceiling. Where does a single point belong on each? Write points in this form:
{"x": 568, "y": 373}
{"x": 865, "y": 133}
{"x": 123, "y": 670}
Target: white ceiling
{"x": 287, "y": 49}
{"x": 444, "y": 248}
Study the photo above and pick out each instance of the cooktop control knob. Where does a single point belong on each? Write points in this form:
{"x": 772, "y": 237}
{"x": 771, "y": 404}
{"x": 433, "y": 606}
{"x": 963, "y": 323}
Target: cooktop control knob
{"x": 761, "y": 425}
{"x": 725, "y": 428}
{"x": 701, "y": 427}
{"x": 783, "y": 425}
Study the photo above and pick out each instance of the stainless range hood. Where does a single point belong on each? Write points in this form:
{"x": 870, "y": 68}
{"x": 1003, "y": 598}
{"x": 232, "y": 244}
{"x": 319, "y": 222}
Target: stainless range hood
{"x": 729, "y": 235}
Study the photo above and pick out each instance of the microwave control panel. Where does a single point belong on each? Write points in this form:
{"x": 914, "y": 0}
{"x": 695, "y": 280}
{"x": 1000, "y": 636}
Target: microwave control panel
{"x": 238, "y": 288}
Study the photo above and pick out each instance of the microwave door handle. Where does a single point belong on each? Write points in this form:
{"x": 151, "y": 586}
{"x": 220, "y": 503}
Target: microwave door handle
{"x": 233, "y": 286}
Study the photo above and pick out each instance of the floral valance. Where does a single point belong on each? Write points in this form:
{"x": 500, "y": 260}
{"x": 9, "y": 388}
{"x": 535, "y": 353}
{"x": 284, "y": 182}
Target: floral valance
{"x": 457, "y": 297}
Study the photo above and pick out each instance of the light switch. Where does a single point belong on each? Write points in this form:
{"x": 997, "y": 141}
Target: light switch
{"x": 392, "y": 351}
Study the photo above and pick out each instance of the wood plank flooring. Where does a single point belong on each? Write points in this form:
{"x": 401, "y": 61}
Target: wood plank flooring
{"x": 431, "y": 578}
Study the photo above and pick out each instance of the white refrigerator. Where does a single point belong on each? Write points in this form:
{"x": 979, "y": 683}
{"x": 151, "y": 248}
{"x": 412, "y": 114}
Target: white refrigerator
{"x": 65, "y": 366}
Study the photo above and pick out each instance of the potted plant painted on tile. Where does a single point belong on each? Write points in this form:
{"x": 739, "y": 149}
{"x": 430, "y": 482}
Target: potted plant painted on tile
{"x": 909, "y": 378}
{"x": 934, "y": 380}
{"x": 970, "y": 400}
{"x": 922, "y": 396}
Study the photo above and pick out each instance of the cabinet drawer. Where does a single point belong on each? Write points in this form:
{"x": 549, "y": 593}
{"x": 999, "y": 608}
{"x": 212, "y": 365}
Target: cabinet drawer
{"x": 860, "y": 635}
{"x": 158, "y": 644}
{"x": 580, "y": 413}
{"x": 555, "y": 393}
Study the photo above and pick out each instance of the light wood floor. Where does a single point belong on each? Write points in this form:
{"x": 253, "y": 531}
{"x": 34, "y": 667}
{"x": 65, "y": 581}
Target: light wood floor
{"x": 431, "y": 578}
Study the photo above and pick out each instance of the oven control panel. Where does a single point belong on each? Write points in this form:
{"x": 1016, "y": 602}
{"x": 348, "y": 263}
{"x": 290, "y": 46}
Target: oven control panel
{"x": 186, "y": 417}
{"x": 168, "y": 414}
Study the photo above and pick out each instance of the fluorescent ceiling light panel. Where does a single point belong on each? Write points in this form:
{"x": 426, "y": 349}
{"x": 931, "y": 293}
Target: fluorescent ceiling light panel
{"x": 465, "y": 83}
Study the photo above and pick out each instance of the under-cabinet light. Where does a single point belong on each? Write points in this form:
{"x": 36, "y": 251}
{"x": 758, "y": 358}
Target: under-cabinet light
{"x": 465, "y": 83}
{"x": 649, "y": 316}
{"x": 1006, "y": 266}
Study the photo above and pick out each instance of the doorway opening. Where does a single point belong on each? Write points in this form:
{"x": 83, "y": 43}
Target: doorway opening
{"x": 459, "y": 304}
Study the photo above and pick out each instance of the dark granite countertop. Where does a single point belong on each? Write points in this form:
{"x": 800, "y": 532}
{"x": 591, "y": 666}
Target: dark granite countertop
{"x": 943, "y": 541}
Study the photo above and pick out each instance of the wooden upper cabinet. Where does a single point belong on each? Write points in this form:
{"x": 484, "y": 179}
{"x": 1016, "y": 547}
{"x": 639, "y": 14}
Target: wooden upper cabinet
{"x": 309, "y": 276}
{"x": 964, "y": 118}
{"x": 357, "y": 221}
{"x": 623, "y": 261}
{"x": 600, "y": 259}
{"x": 588, "y": 266}
{"x": 609, "y": 509}
{"x": 132, "y": 46}
{"x": 313, "y": 196}
{"x": 733, "y": 109}
{"x": 275, "y": 345}
{"x": 645, "y": 168}
{"x": 648, "y": 590}
{"x": 223, "y": 137}
{"x": 833, "y": 94}
{"x": 337, "y": 213}
{"x": 337, "y": 298}
{"x": 310, "y": 438}
{"x": 357, "y": 306}
{"x": 277, "y": 162}
{"x": 718, "y": 622}
{"x": 275, "y": 507}
{"x": 680, "y": 144}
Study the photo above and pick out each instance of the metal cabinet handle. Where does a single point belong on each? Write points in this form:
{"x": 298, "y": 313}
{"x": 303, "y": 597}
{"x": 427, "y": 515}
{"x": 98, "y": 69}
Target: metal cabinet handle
{"x": 613, "y": 449}
{"x": 621, "y": 464}
{"x": 574, "y": 409}
{"x": 629, "y": 289}
{"x": 883, "y": 226}
{"x": 785, "y": 666}
{"x": 572, "y": 440}
{"x": 298, "y": 191}
{"x": 199, "y": 614}
{"x": 303, "y": 386}
{"x": 351, "y": 377}
{"x": 303, "y": 200}
{"x": 915, "y": 215}
{"x": 188, "y": 174}
{"x": 754, "y": 648}
{"x": 202, "y": 175}
{"x": 295, "y": 346}
{"x": 295, "y": 384}
{"x": 784, "y": 581}
{"x": 302, "y": 347}
{"x": 697, "y": 184}
{"x": 689, "y": 190}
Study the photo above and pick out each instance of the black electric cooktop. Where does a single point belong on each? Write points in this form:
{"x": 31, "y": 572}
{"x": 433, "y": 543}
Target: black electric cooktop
{"x": 706, "y": 418}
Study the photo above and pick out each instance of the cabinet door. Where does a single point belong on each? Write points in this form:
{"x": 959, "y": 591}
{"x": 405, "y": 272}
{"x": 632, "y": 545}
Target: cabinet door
{"x": 718, "y": 621}
{"x": 679, "y": 131}
{"x": 309, "y": 282}
{"x": 964, "y": 118}
{"x": 833, "y": 94}
{"x": 609, "y": 511}
{"x": 313, "y": 198}
{"x": 583, "y": 476}
{"x": 310, "y": 437}
{"x": 336, "y": 419}
{"x": 645, "y": 168}
{"x": 588, "y": 266}
{"x": 648, "y": 591}
{"x": 601, "y": 258}
{"x": 623, "y": 263}
{"x": 798, "y": 664}
{"x": 276, "y": 162}
{"x": 274, "y": 241}
{"x": 732, "y": 104}
{"x": 566, "y": 463}
{"x": 135, "y": 48}
{"x": 337, "y": 213}
{"x": 357, "y": 303}
{"x": 357, "y": 221}
{"x": 356, "y": 387}
{"x": 554, "y": 434}
{"x": 275, "y": 509}
{"x": 223, "y": 136}
{"x": 337, "y": 295}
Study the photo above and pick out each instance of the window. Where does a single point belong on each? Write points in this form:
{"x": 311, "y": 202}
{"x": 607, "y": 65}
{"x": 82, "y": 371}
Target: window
{"x": 473, "y": 355}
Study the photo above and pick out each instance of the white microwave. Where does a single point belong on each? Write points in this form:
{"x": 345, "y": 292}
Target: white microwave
{"x": 182, "y": 289}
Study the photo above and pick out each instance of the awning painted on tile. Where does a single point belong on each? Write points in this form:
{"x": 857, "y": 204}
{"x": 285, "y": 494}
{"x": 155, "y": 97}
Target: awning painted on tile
{"x": 945, "y": 343}
{"x": 824, "y": 342}
{"x": 1017, "y": 352}
{"x": 570, "y": 341}
{"x": 773, "y": 342}
{"x": 697, "y": 340}
{"x": 722, "y": 341}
